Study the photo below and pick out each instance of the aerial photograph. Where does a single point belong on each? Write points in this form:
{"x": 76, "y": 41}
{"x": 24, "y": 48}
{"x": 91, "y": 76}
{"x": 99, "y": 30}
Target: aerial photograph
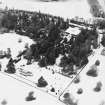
{"x": 52, "y": 52}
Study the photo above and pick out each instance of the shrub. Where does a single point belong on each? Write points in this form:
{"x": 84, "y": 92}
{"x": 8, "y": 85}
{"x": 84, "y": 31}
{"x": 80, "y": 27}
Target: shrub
{"x": 98, "y": 87}
{"x": 19, "y": 40}
{"x": 77, "y": 80}
{"x": 80, "y": 91}
{"x": 52, "y": 89}
{"x": 93, "y": 71}
{"x": 4, "y": 102}
{"x": 103, "y": 40}
{"x": 68, "y": 100}
{"x": 42, "y": 82}
{"x": 97, "y": 63}
{"x": 30, "y": 97}
{"x": 42, "y": 62}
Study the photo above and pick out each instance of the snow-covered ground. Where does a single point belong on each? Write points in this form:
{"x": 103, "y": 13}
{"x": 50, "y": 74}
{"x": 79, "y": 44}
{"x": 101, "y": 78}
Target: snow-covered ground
{"x": 15, "y": 92}
{"x": 68, "y": 9}
{"x": 87, "y": 83}
{"x": 8, "y": 40}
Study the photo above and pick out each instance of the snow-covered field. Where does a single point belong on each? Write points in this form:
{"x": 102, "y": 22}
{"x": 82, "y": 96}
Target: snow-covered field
{"x": 15, "y": 92}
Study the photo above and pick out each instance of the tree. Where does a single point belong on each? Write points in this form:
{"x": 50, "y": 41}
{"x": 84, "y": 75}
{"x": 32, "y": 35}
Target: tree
{"x": 98, "y": 87}
{"x": 103, "y": 40}
{"x": 68, "y": 100}
{"x": 80, "y": 91}
{"x": 30, "y": 96}
{"x": 4, "y": 102}
{"x": 93, "y": 71}
{"x": 9, "y": 21}
{"x": 11, "y": 67}
{"x": 53, "y": 34}
{"x": 42, "y": 62}
{"x": 50, "y": 55}
{"x": 42, "y": 82}
{"x": 77, "y": 79}
{"x": 68, "y": 69}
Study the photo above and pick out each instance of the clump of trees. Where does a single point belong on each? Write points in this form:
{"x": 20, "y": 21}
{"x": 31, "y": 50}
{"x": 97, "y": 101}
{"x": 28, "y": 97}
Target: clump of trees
{"x": 47, "y": 49}
{"x": 77, "y": 80}
{"x": 33, "y": 24}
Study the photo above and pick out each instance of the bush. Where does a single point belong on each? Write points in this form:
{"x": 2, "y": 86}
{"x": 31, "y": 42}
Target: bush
{"x": 11, "y": 67}
{"x": 103, "y": 40}
{"x": 97, "y": 63}
{"x": 77, "y": 80}
{"x": 42, "y": 82}
{"x": 68, "y": 100}
{"x": 30, "y": 97}
{"x": 52, "y": 89}
{"x": 4, "y": 102}
{"x": 98, "y": 87}
{"x": 80, "y": 91}
{"x": 92, "y": 73}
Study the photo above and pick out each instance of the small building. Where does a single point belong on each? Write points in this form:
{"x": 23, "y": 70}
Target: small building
{"x": 73, "y": 31}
